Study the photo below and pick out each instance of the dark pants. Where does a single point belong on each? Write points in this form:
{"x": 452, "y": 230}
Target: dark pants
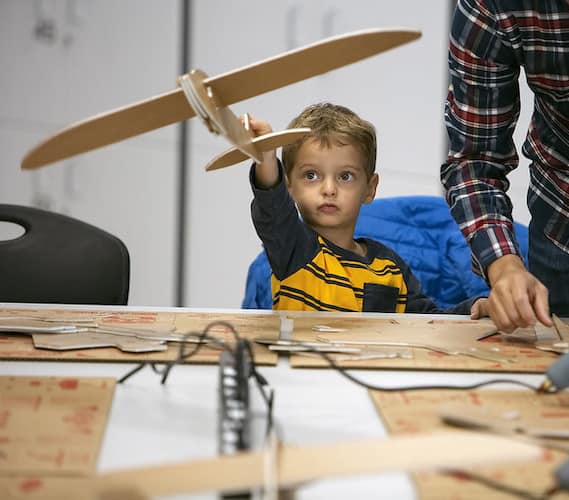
{"x": 547, "y": 262}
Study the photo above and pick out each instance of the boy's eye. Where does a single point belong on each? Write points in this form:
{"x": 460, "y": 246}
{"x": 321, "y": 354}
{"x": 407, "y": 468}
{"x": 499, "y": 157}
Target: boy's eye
{"x": 346, "y": 176}
{"x": 310, "y": 175}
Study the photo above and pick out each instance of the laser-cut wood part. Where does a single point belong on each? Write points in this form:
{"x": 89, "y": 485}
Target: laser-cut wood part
{"x": 139, "y": 330}
{"x": 491, "y": 353}
{"x": 263, "y": 143}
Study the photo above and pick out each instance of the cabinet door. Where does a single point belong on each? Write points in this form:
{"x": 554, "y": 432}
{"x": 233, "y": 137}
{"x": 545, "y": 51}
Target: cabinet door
{"x": 65, "y": 60}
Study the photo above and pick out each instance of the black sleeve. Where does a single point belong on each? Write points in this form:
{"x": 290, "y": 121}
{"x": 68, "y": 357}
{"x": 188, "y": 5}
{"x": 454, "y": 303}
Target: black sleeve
{"x": 288, "y": 242}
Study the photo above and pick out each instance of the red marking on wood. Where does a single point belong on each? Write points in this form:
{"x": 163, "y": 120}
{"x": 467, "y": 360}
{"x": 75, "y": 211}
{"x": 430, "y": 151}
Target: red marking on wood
{"x": 555, "y": 414}
{"x": 35, "y": 383}
{"x": 475, "y": 398}
{"x": 404, "y": 397}
{"x": 4, "y": 416}
{"x": 499, "y": 475}
{"x": 138, "y": 318}
{"x": 4, "y": 439}
{"x": 459, "y": 475}
{"x": 59, "y": 458}
{"x": 435, "y": 354}
{"x": 69, "y": 384}
{"x": 547, "y": 455}
{"x": 28, "y": 485}
{"x": 494, "y": 339}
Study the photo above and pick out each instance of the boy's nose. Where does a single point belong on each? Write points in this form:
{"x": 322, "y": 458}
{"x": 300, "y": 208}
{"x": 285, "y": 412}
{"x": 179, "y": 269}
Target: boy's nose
{"x": 329, "y": 187}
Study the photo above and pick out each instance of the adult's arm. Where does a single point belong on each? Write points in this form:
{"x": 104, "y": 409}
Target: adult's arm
{"x": 481, "y": 112}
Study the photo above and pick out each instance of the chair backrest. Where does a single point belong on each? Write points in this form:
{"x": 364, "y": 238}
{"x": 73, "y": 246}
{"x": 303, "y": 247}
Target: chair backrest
{"x": 422, "y": 231}
{"x": 60, "y": 259}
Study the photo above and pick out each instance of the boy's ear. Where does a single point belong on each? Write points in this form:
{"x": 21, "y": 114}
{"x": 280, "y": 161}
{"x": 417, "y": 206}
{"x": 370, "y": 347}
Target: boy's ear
{"x": 372, "y": 188}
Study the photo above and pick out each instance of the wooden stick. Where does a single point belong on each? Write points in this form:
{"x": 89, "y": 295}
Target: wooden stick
{"x": 297, "y": 465}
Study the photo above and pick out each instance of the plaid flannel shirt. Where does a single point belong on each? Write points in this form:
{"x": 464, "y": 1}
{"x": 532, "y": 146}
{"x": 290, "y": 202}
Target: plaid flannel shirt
{"x": 490, "y": 40}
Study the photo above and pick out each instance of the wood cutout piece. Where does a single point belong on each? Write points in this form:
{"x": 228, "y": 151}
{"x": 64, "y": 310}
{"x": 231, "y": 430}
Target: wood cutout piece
{"x": 419, "y": 412}
{"x": 170, "y": 326}
{"x": 26, "y": 325}
{"x": 435, "y": 337}
{"x": 147, "y": 334}
{"x": 263, "y": 143}
{"x": 53, "y": 425}
{"x": 237, "y": 85}
{"x": 524, "y": 358}
{"x": 335, "y": 351}
{"x": 92, "y": 340}
{"x": 562, "y": 328}
{"x": 218, "y": 119}
{"x": 560, "y": 341}
{"x": 506, "y": 423}
{"x": 297, "y": 465}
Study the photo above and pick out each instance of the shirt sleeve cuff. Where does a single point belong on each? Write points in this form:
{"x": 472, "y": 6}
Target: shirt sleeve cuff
{"x": 259, "y": 191}
{"x": 490, "y": 244}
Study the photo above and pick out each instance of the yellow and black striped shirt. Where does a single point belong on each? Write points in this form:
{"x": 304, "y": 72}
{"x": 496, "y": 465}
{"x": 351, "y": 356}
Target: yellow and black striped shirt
{"x": 310, "y": 273}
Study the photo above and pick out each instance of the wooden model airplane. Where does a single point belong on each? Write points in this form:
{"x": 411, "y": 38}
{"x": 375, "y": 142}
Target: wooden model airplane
{"x": 209, "y": 98}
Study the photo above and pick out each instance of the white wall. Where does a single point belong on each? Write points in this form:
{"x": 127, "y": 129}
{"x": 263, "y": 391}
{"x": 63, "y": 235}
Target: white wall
{"x": 102, "y": 54}
{"x": 400, "y": 91}
{"x": 106, "y": 54}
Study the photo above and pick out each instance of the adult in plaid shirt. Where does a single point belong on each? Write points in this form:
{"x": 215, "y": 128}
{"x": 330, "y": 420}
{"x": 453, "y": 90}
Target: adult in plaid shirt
{"x": 490, "y": 41}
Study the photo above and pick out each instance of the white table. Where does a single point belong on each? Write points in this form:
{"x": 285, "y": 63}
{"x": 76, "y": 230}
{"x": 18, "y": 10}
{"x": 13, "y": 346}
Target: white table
{"x": 153, "y": 424}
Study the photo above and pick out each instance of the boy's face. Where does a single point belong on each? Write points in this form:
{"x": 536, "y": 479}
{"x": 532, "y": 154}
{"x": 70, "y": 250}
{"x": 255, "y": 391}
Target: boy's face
{"x": 329, "y": 185}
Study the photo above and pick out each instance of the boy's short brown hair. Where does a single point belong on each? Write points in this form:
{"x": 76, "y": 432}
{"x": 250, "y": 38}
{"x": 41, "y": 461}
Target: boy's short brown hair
{"x": 330, "y": 124}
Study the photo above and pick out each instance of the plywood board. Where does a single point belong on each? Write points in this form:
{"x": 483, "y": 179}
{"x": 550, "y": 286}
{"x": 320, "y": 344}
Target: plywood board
{"x": 518, "y": 356}
{"x": 146, "y": 325}
{"x": 37, "y": 487}
{"x": 418, "y": 411}
{"x": 52, "y": 425}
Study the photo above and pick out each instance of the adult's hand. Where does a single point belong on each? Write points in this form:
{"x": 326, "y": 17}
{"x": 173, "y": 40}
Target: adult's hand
{"x": 517, "y": 298}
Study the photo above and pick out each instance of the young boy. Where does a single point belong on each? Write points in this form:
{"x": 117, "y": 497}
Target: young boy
{"x": 316, "y": 262}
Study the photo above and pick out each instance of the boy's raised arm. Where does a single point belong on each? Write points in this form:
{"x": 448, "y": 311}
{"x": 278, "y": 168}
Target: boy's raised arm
{"x": 266, "y": 173}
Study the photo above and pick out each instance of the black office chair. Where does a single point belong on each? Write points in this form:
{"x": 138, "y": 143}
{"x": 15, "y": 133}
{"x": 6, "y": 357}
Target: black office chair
{"x": 61, "y": 260}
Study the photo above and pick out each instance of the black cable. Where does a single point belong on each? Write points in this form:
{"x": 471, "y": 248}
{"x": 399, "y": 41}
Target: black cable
{"x": 200, "y": 339}
{"x": 343, "y": 371}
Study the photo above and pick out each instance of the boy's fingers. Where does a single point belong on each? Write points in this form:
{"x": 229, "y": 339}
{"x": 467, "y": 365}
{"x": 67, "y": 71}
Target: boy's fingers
{"x": 246, "y": 121}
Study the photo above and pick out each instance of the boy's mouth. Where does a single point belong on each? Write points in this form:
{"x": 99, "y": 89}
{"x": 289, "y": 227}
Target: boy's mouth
{"x": 327, "y": 208}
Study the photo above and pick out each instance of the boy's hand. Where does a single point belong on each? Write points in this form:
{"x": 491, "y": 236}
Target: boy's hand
{"x": 266, "y": 173}
{"x": 257, "y": 127}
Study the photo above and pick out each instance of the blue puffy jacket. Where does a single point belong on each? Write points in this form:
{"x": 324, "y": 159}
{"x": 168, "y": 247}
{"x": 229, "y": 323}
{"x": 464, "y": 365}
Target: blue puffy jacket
{"x": 422, "y": 231}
